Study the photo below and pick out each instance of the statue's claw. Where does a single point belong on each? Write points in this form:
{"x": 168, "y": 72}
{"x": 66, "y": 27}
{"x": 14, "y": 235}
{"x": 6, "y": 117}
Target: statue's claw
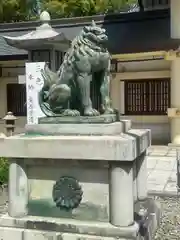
{"x": 72, "y": 113}
{"x": 91, "y": 112}
{"x": 77, "y": 113}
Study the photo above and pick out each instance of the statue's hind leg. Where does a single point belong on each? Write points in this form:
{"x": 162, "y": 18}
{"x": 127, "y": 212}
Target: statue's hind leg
{"x": 59, "y": 97}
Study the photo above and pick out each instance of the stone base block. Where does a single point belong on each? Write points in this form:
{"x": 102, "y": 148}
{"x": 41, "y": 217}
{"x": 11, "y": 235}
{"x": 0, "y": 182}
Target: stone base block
{"x": 80, "y": 119}
{"x": 118, "y": 147}
{"x": 41, "y": 228}
{"x": 57, "y": 129}
{"x": 20, "y": 234}
{"x": 75, "y": 129}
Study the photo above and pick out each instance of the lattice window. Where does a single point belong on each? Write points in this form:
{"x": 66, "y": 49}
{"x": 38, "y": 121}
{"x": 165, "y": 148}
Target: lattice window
{"x": 147, "y": 97}
{"x": 16, "y": 99}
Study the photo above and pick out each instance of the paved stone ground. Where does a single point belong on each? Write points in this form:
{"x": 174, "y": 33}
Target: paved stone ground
{"x": 162, "y": 180}
{"x": 162, "y": 169}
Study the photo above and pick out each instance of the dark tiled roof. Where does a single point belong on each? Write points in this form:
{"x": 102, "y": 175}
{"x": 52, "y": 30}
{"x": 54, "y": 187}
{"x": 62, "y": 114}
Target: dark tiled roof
{"x": 5, "y": 49}
{"x": 134, "y": 32}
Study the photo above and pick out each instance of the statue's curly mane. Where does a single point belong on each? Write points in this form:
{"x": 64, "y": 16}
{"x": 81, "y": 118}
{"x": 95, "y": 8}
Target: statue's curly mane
{"x": 82, "y": 45}
{"x": 83, "y": 40}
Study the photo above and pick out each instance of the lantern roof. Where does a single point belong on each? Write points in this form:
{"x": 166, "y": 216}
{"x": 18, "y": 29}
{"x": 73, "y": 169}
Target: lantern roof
{"x": 43, "y": 37}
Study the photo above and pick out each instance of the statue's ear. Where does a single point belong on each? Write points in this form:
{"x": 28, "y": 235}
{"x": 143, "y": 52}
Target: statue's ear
{"x": 86, "y": 28}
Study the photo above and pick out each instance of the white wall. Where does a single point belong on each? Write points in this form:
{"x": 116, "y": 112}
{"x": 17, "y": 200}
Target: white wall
{"x": 142, "y": 70}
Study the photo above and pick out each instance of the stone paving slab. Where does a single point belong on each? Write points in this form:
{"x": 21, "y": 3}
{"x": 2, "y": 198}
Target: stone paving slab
{"x": 166, "y": 165}
{"x": 161, "y": 163}
{"x": 161, "y": 151}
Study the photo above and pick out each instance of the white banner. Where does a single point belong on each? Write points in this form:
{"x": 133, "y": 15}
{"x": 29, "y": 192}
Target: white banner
{"x": 34, "y": 83}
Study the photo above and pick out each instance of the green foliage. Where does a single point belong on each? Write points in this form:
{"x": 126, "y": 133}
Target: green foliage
{"x": 22, "y": 10}
{"x": 73, "y": 8}
{"x": 12, "y": 10}
{"x": 4, "y": 169}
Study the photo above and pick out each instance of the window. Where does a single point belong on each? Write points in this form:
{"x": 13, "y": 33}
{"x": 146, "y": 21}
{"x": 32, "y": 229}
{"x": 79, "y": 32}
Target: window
{"x": 16, "y": 99}
{"x": 147, "y": 97}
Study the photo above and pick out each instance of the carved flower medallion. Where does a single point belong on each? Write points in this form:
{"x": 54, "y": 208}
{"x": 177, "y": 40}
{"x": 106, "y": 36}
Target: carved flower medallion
{"x": 67, "y": 193}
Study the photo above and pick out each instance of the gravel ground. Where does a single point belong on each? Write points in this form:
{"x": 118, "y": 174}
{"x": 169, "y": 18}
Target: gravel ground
{"x": 170, "y": 223}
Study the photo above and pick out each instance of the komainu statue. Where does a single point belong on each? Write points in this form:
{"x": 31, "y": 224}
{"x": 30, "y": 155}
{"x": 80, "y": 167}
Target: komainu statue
{"x": 67, "y": 92}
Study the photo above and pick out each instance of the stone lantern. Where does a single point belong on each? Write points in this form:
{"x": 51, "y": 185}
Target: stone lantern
{"x": 10, "y": 123}
{"x": 44, "y": 44}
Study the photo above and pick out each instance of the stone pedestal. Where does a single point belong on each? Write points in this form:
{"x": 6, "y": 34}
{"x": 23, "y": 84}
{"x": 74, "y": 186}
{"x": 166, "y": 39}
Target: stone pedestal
{"x": 121, "y": 194}
{"x": 141, "y": 173}
{"x": 78, "y": 186}
{"x": 18, "y": 189}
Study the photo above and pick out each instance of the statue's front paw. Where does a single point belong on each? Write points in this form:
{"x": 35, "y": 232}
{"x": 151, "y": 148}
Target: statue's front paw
{"x": 72, "y": 113}
{"x": 91, "y": 112}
